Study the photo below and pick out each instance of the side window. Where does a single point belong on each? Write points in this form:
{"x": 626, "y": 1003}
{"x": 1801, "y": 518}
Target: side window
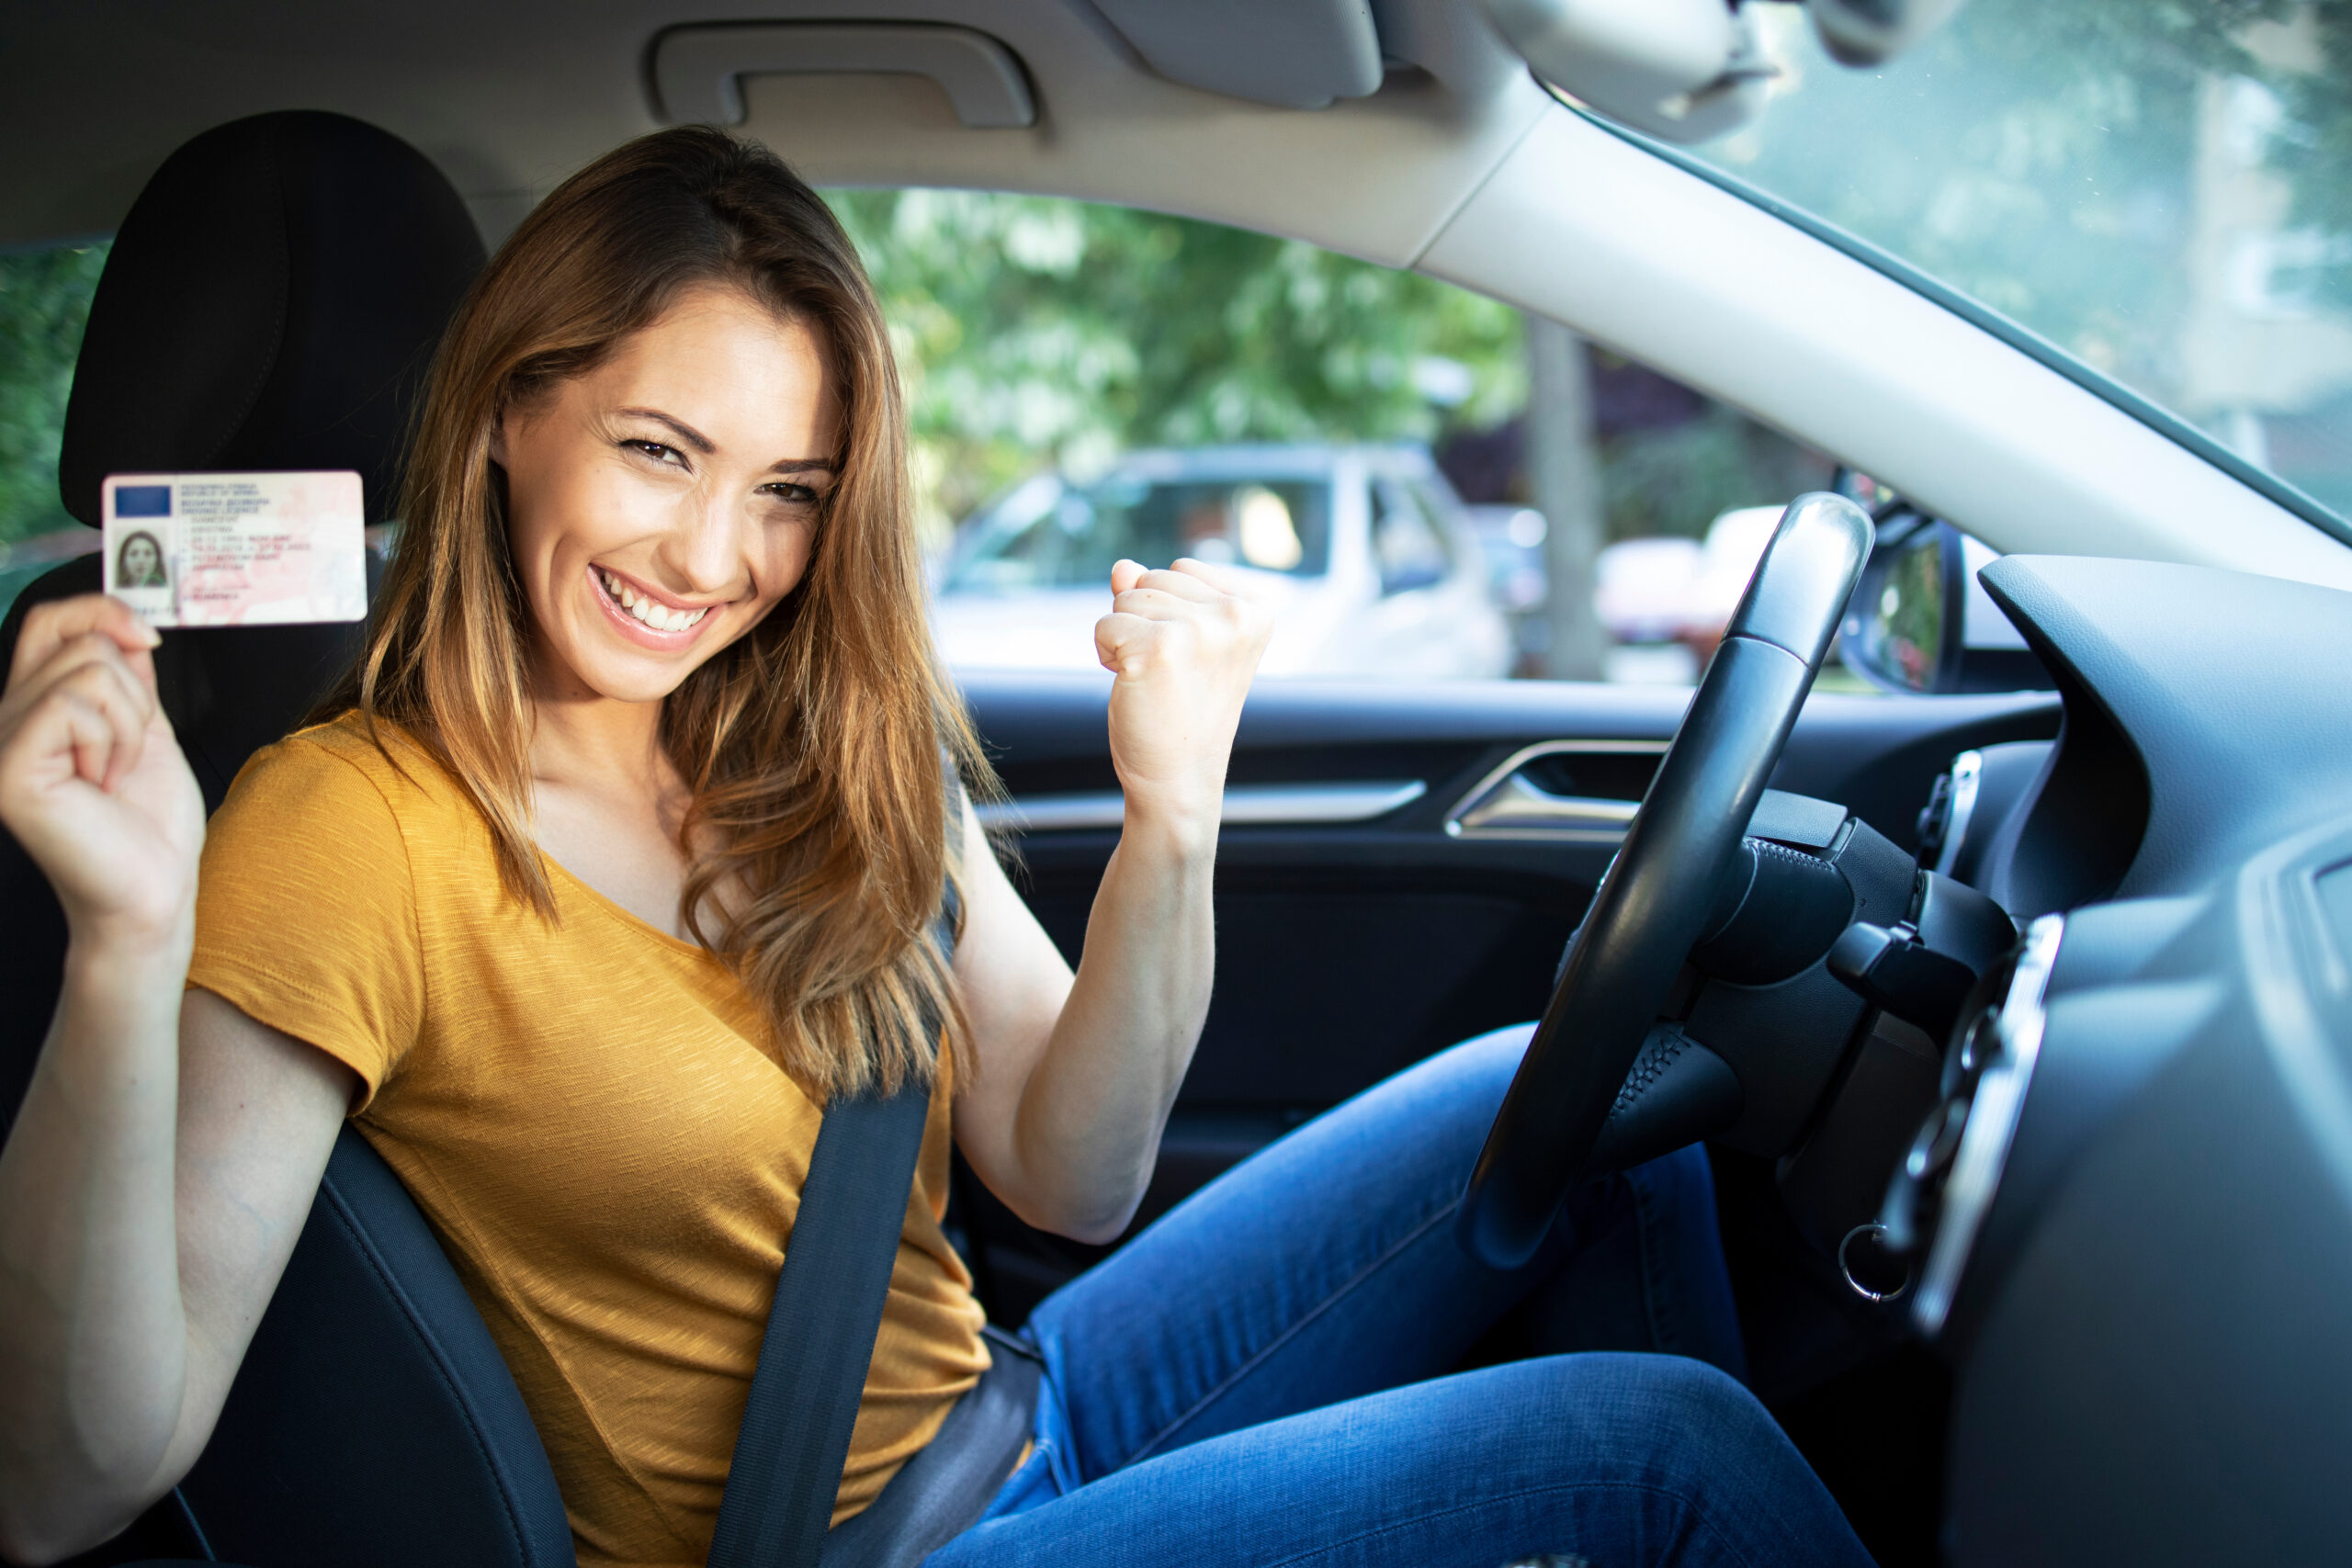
{"x": 1407, "y": 543}
{"x": 1088, "y": 381}
{"x": 44, "y": 300}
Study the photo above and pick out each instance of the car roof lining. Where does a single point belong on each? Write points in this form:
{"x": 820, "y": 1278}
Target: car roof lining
{"x": 510, "y": 98}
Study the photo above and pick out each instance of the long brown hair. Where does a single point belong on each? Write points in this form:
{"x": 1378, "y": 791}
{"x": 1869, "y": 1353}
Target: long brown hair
{"x": 817, "y": 834}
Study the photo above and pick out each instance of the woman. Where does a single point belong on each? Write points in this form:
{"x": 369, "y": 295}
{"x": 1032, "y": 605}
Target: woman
{"x": 614, "y": 858}
{"x": 140, "y": 562}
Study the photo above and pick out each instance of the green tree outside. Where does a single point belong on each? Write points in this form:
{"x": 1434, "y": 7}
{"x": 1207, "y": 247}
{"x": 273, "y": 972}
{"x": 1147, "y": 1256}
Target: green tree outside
{"x": 44, "y": 300}
{"x": 1032, "y": 330}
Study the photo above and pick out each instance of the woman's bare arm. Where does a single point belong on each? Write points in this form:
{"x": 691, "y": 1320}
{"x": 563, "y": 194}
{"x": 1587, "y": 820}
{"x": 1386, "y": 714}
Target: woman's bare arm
{"x": 1076, "y": 1073}
{"x": 168, "y": 1146}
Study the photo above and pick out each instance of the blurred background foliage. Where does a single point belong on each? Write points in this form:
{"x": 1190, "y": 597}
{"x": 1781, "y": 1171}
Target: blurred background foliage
{"x": 44, "y": 300}
{"x": 1036, "y": 332}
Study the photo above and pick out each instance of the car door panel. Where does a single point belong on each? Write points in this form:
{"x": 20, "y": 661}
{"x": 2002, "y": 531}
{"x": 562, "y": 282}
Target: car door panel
{"x": 1347, "y": 950}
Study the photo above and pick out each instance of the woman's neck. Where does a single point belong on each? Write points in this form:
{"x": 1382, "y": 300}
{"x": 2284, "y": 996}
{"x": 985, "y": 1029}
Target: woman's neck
{"x": 608, "y": 803}
{"x": 585, "y": 743}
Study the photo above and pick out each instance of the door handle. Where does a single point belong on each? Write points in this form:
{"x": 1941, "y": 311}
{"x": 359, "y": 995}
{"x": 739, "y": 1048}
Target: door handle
{"x": 1508, "y": 804}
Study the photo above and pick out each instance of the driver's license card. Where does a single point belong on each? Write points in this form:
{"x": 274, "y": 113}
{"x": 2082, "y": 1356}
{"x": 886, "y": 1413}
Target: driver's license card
{"x": 236, "y": 549}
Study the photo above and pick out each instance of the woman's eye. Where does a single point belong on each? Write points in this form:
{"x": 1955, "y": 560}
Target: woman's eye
{"x": 790, "y": 493}
{"x": 657, "y": 451}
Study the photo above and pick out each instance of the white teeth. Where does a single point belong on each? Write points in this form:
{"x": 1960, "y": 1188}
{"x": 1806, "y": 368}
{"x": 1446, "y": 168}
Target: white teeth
{"x": 660, "y": 617}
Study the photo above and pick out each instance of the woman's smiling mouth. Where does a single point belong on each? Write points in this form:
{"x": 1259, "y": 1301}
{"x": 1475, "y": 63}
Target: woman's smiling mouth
{"x": 625, "y": 599}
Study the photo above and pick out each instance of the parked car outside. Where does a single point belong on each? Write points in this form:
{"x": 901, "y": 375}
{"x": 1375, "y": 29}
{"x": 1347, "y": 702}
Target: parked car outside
{"x": 1665, "y": 603}
{"x": 1364, "y": 551}
{"x": 1512, "y": 539}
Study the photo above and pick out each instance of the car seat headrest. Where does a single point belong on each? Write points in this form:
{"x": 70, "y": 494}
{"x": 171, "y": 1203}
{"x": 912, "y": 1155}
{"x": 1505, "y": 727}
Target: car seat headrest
{"x": 273, "y": 300}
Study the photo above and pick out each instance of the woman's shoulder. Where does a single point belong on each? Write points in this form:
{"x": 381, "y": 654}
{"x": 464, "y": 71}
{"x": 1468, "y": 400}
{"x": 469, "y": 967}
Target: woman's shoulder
{"x": 344, "y": 769}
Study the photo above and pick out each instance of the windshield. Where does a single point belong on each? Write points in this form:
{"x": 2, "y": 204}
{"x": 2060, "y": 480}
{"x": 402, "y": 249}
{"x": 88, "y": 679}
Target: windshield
{"x": 1050, "y": 533}
{"x": 2163, "y": 190}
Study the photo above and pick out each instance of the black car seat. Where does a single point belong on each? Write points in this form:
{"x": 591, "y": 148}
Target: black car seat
{"x": 273, "y": 301}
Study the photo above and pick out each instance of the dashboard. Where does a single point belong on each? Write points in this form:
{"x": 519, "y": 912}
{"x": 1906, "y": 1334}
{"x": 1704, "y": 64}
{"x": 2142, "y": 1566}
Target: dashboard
{"x": 2139, "y": 1175}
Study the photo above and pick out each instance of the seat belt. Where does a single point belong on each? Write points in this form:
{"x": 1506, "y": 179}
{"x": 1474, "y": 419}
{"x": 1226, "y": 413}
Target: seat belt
{"x": 779, "y": 1503}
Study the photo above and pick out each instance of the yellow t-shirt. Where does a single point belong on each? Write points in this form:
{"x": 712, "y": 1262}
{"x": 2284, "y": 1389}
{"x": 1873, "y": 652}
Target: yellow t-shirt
{"x": 587, "y": 1114}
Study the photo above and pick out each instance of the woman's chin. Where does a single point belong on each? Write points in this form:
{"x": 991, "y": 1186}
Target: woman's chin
{"x": 638, "y": 677}
{"x": 622, "y": 672}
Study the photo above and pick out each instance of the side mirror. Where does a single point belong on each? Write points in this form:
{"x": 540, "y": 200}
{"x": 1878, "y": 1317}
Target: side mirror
{"x": 1920, "y": 622}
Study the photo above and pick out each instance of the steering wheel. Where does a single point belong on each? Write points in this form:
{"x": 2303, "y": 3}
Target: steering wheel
{"x": 1653, "y": 902}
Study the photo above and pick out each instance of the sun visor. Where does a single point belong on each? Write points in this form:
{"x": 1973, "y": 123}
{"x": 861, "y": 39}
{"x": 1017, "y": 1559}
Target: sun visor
{"x": 1297, "y": 54}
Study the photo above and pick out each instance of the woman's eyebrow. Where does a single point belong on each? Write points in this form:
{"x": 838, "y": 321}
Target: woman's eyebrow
{"x": 705, "y": 445}
{"x": 685, "y": 432}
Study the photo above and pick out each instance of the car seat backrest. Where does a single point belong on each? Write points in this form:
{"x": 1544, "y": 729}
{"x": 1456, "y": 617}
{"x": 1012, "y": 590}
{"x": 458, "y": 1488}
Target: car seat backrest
{"x": 273, "y": 300}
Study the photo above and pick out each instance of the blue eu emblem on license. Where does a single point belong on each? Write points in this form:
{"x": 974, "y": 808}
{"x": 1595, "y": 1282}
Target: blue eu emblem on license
{"x": 142, "y": 501}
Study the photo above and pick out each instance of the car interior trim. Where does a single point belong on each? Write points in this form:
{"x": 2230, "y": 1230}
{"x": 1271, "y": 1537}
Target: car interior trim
{"x": 1253, "y": 806}
{"x": 1992, "y": 1124}
{"x": 1869, "y": 1231}
{"x": 697, "y": 72}
{"x": 1967, "y": 774}
{"x": 1506, "y": 804}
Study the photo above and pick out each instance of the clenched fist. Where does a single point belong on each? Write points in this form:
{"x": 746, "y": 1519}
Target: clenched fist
{"x": 92, "y": 781}
{"x": 1184, "y": 643}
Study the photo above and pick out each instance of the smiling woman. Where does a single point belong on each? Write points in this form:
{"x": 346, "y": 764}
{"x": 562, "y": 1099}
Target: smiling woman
{"x": 619, "y": 855}
{"x": 684, "y": 395}
{"x": 613, "y": 477}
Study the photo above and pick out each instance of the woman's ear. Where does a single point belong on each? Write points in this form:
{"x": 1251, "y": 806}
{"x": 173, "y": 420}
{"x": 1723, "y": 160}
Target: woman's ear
{"x": 498, "y": 440}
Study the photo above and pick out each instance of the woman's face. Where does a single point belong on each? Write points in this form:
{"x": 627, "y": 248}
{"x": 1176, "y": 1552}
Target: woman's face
{"x": 139, "y": 561}
{"x": 664, "y": 502}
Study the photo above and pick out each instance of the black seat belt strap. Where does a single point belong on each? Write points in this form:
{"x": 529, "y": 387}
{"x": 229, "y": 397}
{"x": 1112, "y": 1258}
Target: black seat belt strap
{"x": 819, "y": 1341}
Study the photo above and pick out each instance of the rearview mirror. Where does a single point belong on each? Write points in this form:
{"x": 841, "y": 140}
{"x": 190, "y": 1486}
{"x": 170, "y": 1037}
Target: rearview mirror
{"x": 1678, "y": 70}
{"x": 1920, "y": 622}
{"x": 1689, "y": 71}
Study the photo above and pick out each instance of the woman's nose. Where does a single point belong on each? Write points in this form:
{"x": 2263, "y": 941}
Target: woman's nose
{"x": 706, "y": 549}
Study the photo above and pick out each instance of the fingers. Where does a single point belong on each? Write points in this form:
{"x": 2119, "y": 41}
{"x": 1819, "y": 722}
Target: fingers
{"x": 137, "y": 671}
{"x": 1124, "y": 642}
{"x": 1190, "y": 609}
{"x": 98, "y": 714}
{"x": 50, "y": 627}
{"x": 1169, "y": 595}
{"x": 1196, "y": 581}
{"x": 1218, "y": 578}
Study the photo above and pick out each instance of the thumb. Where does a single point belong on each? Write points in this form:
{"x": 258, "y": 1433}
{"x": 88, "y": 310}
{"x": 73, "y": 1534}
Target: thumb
{"x": 1124, "y": 574}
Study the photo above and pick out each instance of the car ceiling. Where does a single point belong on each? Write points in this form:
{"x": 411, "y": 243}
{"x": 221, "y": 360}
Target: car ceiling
{"x": 510, "y": 96}
{"x": 1457, "y": 162}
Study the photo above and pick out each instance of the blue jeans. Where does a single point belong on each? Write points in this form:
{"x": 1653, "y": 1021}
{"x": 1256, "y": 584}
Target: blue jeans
{"x": 1261, "y": 1378}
